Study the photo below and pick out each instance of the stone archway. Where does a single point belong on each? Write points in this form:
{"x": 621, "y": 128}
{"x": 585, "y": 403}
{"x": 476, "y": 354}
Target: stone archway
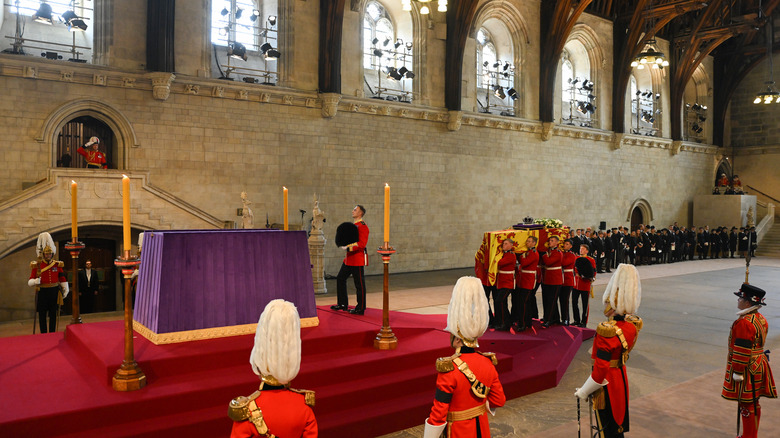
{"x": 641, "y": 212}
{"x": 123, "y": 131}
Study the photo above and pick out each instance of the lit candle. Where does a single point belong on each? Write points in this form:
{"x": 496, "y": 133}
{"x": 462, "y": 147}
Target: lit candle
{"x": 387, "y": 213}
{"x": 74, "y": 229}
{"x": 286, "y": 224}
{"x": 126, "y": 211}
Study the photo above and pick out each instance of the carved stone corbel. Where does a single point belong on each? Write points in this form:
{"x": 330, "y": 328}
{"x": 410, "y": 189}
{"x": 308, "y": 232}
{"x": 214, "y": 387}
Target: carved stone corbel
{"x": 676, "y": 147}
{"x": 161, "y": 84}
{"x": 455, "y": 120}
{"x": 330, "y": 104}
{"x": 617, "y": 140}
{"x": 547, "y": 130}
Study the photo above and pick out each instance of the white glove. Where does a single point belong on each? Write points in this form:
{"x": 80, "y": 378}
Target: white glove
{"x": 65, "y": 289}
{"x": 432, "y": 431}
{"x": 34, "y": 282}
{"x": 737, "y": 377}
{"x": 93, "y": 140}
{"x": 589, "y": 387}
{"x": 343, "y": 247}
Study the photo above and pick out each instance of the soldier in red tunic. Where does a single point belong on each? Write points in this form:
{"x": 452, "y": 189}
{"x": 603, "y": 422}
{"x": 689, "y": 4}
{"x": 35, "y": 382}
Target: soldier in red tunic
{"x": 467, "y": 386}
{"x": 48, "y": 276}
{"x": 748, "y": 376}
{"x": 275, "y": 409}
{"x": 95, "y": 158}
{"x": 505, "y": 284}
{"x": 567, "y": 264}
{"x": 608, "y": 382}
{"x": 524, "y": 297}
{"x": 552, "y": 279}
{"x": 582, "y": 286}
{"x": 353, "y": 264}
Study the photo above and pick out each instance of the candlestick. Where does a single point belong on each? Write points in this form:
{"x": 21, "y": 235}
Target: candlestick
{"x": 387, "y": 213}
{"x": 74, "y": 229}
{"x": 126, "y": 212}
{"x": 286, "y": 224}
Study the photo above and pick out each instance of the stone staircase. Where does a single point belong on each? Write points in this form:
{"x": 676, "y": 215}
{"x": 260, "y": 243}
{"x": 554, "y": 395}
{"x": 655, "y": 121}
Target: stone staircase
{"x": 769, "y": 246}
{"x": 46, "y": 206}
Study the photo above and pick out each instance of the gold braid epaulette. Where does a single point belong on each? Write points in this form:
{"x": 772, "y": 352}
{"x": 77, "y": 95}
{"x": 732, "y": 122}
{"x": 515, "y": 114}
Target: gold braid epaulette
{"x": 33, "y": 264}
{"x": 637, "y": 321}
{"x": 606, "y": 329}
{"x": 445, "y": 365}
{"x": 239, "y": 410}
{"x": 491, "y": 356}
{"x": 308, "y": 396}
{"x": 61, "y": 264}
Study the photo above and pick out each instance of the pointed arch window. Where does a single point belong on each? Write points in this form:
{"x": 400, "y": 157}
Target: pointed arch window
{"x": 495, "y": 77}
{"x": 387, "y": 59}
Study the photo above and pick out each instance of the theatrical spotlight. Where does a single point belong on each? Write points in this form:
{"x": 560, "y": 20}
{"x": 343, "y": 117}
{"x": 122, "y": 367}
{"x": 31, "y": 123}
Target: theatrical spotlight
{"x": 73, "y": 22}
{"x": 271, "y": 54}
{"x": 512, "y": 93}
{"x": 386, "y": 42}
{"x": 224, "y": 11}
{"x": 272, "y": 20}
{"x": 43, "y": 14}
{"x": 581, "y": 106}
{"x": 398, "y": 43}
{"x": 392, "y": 73}
{"x": 403, "y": 71}
{"x": 408, "y": 45}
{"x": 499, "y": 92}
{"x": 237, "y": 51}
{"x": 239, "y": 12}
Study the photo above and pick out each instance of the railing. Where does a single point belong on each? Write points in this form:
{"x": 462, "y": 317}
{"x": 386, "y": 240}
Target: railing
{"x": 766, "y": 223}
{"x": 762, "y": 193}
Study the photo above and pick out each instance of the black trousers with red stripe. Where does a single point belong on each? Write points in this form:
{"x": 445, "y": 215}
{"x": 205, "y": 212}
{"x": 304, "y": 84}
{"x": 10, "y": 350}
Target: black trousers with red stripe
{"x": 360, "y": 286}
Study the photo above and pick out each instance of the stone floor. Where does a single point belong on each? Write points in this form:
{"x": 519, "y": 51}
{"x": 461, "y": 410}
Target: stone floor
{"x": 675, "y": 370}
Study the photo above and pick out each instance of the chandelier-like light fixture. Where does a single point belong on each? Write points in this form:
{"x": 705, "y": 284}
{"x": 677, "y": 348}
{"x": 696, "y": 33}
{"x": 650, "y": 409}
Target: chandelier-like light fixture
{"x": 406, "y": 5}
{"x": 650, "y": 56}
{"x": 771, "y": 94}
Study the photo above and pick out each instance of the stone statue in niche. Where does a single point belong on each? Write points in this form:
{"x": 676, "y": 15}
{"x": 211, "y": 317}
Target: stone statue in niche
{"x": 751, "y": 222}
{"x": 247, "y": 218}
{"x": 318, "y": 216}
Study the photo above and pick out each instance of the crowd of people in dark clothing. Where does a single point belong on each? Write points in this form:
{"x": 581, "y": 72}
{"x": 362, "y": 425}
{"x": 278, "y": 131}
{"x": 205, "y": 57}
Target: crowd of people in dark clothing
{"x": 647, "y": 245}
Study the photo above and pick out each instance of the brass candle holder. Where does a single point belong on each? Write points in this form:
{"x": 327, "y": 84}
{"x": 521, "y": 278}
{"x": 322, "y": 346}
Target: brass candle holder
{"x": 129, "y": 376}
{"x": 385, "y": 339}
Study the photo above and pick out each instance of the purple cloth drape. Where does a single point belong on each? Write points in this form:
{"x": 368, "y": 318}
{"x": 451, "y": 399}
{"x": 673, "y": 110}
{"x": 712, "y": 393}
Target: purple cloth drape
{"x": 201, "y": 279}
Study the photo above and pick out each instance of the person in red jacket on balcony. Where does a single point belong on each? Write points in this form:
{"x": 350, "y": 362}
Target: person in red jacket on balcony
{"x": 467, "y": 384}
{"x": 95, "y": 158}
{"x": 353, "y": 264}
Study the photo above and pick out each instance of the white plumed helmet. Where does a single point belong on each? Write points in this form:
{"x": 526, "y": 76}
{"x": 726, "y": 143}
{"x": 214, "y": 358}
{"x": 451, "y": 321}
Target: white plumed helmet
{"x": 467, "y": 314}
{"x": 624, "y": 290}
{"x": 276, "y": 355}
{"x": 45, "y": 244}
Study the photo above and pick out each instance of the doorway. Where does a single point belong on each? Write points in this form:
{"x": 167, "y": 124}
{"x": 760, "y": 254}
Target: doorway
{"x": 76, "y": 133}
{"x": 637, "y": 218}
{"x": 101, "y": 252}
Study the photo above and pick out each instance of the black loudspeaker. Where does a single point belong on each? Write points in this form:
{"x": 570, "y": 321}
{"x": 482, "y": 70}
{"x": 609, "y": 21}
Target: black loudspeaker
{"x": 602, "y": 225}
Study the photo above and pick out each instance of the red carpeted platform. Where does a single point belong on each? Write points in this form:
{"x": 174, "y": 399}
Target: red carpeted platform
{"x": 55, "y": 385}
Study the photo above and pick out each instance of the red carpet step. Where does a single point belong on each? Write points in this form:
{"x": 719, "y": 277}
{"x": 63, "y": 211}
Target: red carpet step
{"x": 55, "y": 385}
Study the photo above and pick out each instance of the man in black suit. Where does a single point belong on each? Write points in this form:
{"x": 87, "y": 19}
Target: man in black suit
{"x": 88, "y": 288}
{"x": 609, "y": 251}
{"x": 599, "y": 249}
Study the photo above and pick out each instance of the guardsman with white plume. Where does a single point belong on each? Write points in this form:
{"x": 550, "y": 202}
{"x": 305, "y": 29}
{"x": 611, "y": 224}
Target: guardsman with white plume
{"x": 748, "y": 376}
{"x": 608, "y": 382}
{"x": 95, "y": 158}
{"x": 48, "y": 276}
{"x": 467, "y": 386}
{"x": 275, "y": 409}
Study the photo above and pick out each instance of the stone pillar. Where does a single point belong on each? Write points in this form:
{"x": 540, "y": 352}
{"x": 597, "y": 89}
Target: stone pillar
{"x": 316, "y": 250}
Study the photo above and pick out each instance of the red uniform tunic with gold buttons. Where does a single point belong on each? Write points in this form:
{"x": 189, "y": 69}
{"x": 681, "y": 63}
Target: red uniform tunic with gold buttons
{"x": 95, "y": 159}
{"x": 454, "y": 395}
{"x": 505, "y": 278}
{"x": 567, "y": 264}
{"x": 51, "y": 277}
{"x": 552, "y": 272}
{"x": 581, "y": 283}
{"x": 608, "y": 349}
{"x": 356, "y": 254}
{"x": 529, "y": 263}
{"x": 285, "y": 413}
